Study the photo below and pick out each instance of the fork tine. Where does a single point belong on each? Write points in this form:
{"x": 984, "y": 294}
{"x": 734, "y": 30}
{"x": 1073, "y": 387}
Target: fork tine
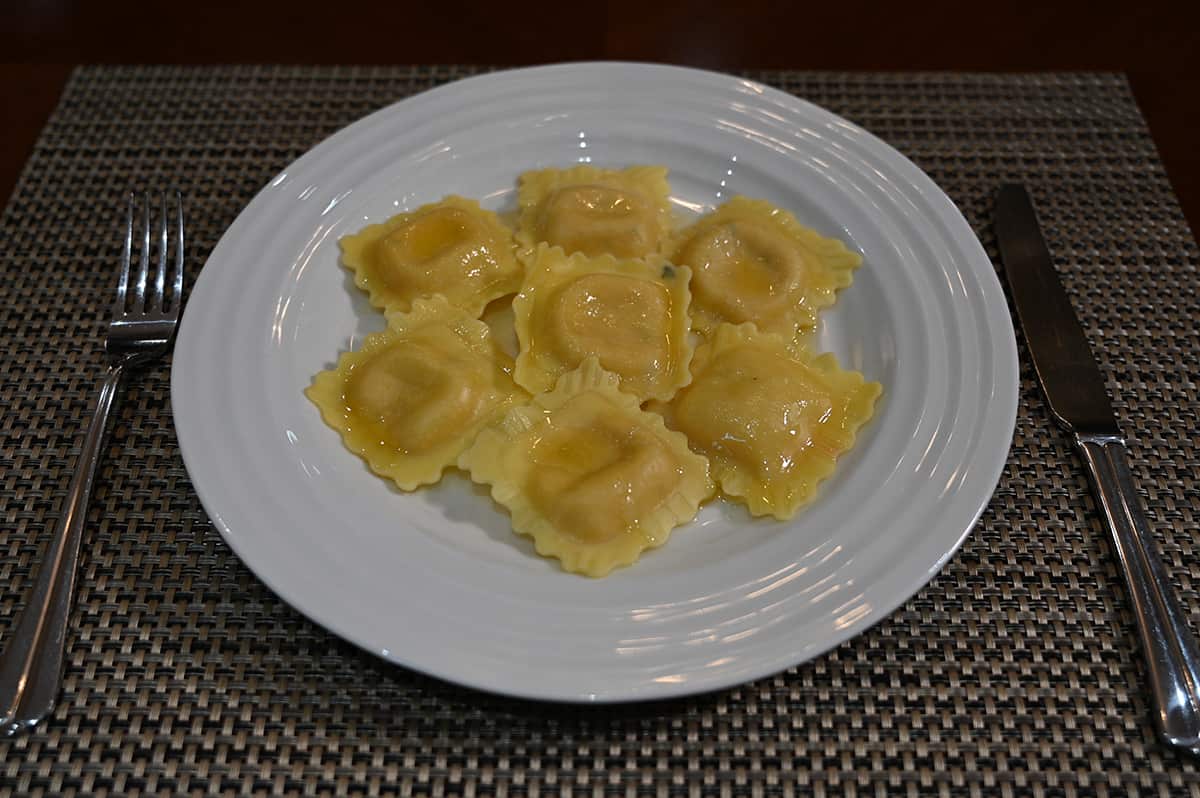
{"x": 126, "y": 251}
{"x": 139, "y": 288}
{"x": 177, "y": 289}
{"x": 156, "y": 299}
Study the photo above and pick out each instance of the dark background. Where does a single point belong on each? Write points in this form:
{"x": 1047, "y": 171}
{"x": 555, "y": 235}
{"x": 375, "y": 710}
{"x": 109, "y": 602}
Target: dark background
{"x": 1155, "y": 43}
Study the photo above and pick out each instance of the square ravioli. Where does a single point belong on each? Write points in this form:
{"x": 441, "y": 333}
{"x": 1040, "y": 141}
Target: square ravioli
{"x": 771, "y": 420}
{"x": 621, "y": 212}
{"x": 412, "y": 398}
{"x": 590, "y": 476}
{"x": 632, "y": 314}
{"x": 453, "y": 248}
{"x": 753, "y": 262}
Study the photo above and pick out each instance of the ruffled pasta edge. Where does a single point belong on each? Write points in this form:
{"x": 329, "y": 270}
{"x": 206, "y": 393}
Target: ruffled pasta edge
{"x": 493, "y": 460}
{"x": 784, "y": 499}
{"x": 534, "y": 186}
{"x": 838, "y": 262}
{"x": 356, "y": 246}
{"x": 550, "y": 268}
{"x": 411, "y": 471}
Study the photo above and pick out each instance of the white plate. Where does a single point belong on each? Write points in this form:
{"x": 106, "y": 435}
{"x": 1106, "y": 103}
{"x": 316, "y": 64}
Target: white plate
{"x": 436, "y": 580}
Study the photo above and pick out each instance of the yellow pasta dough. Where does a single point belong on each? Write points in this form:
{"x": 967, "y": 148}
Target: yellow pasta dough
{"x": 590, "y": 476}
{"x": 753, "y": 262}
{"x": 452, "y": 247}
{"x": 606, "y": 299}
{"x": 632, "y": 314}
{"x": 771, "y": 421}
{"x": 412, "y": 398}
{"x": 624, "y": 212}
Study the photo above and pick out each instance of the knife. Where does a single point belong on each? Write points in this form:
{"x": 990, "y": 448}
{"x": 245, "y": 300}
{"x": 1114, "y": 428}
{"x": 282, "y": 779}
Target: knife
{"x": 1075, "y": 392}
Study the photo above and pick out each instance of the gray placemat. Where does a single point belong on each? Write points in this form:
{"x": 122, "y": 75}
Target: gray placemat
{"x": 1013, "y": 673}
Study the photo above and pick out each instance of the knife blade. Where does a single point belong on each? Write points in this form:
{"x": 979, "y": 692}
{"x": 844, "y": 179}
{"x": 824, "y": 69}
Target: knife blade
{"x": 1061, "y": 356}
{"x": 1074, "y": 388}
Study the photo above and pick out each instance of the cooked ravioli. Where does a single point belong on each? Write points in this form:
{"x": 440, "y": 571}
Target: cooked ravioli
{"x": 557, "y": 363}
{"x": 632, "y": 314}
{"x": 412, "y": 398}
{"x": 625, "y": 213}
{"x": 452, "y": 247}
{"x": 771, "y": 421}
{"x": 753, "y": 262}
{"x": 590, "y": 476}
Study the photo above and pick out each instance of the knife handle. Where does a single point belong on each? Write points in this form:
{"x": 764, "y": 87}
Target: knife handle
{"x": 1172, "y": 657}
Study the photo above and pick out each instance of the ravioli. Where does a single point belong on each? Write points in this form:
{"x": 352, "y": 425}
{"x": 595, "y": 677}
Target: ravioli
{"x": 753, "y": 262}
{"x": 771, "y": 421}
{"x": 412, "y": 398}
{"x": 452, "y": 247}
{"x": 631, "y": 314}
{"x": 625, "y": 213}
{"x": 590, "y": 476}
{"x": 583, "y": 401}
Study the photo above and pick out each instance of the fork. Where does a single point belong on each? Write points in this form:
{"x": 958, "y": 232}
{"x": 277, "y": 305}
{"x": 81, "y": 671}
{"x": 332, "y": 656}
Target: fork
{"x": 145, "y": 315}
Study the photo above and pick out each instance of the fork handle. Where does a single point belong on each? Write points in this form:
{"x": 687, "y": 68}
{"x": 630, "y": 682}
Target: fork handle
{"x": 31, "y": 665}
{"x": 1172, "y": 657}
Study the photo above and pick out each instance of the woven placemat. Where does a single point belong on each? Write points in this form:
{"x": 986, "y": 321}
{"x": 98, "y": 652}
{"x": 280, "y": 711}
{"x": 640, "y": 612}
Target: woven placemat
{"x": 1013, "y": 673}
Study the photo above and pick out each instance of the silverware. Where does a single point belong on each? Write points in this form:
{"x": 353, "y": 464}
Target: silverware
{"x": 1074, "y": 389}
{"x": 144, "y": 319}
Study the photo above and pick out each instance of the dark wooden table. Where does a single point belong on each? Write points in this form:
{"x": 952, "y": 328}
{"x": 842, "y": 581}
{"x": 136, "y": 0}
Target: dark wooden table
{"x": 1155, "y": 43}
